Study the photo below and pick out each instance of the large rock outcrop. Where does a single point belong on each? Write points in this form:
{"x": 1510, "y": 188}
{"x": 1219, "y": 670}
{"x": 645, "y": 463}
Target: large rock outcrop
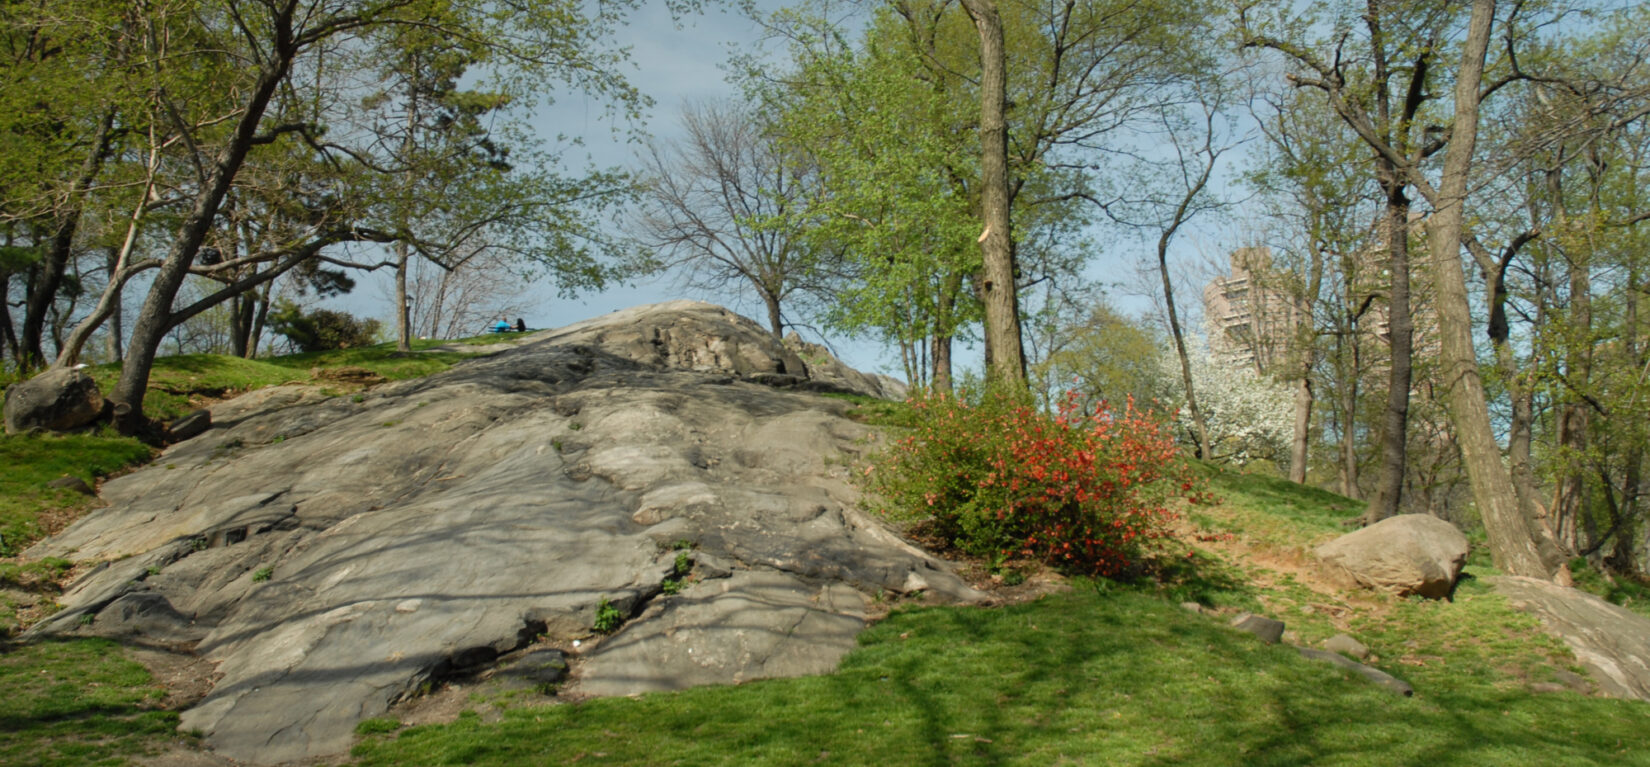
{"x": 1610, "y": 641}
{"x": 333, "y": 554}
{"x": 1406, "y": 554}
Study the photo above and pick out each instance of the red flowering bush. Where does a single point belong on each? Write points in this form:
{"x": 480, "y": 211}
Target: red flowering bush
{"x": 1000, "y": 479}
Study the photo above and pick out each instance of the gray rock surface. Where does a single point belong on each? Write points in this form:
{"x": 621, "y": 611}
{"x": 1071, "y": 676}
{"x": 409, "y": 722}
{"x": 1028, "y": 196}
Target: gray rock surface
{"x": 333, "y": 555}
{"x": 1406, "y": 554}
{"x": 1268, "y": 630}
{"x": 1610, "y": 641}
{"x": 1347, "y": 646}
{"x": 59, "y": 399}
{"x": 1387, "y": 681}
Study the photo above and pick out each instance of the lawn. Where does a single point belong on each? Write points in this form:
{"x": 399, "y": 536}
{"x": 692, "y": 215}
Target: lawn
{"x": 1117, "y": 677}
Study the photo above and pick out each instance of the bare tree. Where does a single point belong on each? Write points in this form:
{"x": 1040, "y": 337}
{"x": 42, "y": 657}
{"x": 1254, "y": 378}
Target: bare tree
{"x": 728, "y": 205}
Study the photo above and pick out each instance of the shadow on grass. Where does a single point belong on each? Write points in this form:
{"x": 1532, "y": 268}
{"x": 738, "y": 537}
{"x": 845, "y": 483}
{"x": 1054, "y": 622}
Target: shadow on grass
{"x": 77, "y": 701}
{"x": 1075, "y": 678}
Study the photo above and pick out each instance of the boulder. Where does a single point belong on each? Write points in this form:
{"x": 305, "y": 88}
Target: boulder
{"x": 1267, "y": 629}
{"x": 1611, "y": 642}
{"x": 334, "y": 555}
{"x": 72, "y": 483}
{"x": 60, "y": 399}
{"x": 1347, "y": 646}
{"x": 1406, "y": 554}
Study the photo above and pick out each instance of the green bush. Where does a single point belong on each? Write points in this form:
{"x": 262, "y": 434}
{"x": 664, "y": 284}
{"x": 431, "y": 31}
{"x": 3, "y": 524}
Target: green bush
{"x": 321, "y": 329}
{"x": 1084, "y": 493}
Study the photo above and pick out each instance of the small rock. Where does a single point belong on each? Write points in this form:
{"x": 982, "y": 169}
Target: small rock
{"x": 1269, "y": 631}
{"x": 1544, "y": 687}
{"x": 1573, "y": 681}
{"x": 1290, "y": 637}
{"x": 189, "y": 426}
{"x": 1391, "y": 683}
{"x": 1192, "y": 607}
{"x": 1347, "y": 646}
{"x": 72, "y": 483}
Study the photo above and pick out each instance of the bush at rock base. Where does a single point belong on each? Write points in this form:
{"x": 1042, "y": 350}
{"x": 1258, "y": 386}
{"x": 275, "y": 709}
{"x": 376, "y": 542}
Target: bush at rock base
{"x": 998, "y": 479}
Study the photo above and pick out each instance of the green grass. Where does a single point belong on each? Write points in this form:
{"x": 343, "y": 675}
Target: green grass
{"x": 1618, "y": 589}
{"x": 32, "y": 461}
{"x": 1266, "y": 509}
{"x": 78, "y": 703}
{"x": 177, "y": 384}
{"x": 1120, "y": 678}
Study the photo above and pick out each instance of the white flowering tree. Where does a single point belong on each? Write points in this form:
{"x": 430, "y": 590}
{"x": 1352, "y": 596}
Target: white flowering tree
{"x": 1250, "y": 416}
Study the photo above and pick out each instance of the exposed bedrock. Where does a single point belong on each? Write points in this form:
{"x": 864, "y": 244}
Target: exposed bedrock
{"x": 332, "y": 554}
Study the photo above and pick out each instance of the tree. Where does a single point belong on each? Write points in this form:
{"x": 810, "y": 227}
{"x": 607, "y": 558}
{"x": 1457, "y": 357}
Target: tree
{"x": 1519, "y": 544}
{"x": 730, "y": 204}
{"x": 1078, "y": 75}
{"x": 288, "y": 114}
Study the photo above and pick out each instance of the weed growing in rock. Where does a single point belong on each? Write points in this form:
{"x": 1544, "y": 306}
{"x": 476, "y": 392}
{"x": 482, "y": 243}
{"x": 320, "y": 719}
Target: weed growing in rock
{"x": 608, "y": 618}
{"x": 263, "y": 574}
{"x": 999, "y": 479}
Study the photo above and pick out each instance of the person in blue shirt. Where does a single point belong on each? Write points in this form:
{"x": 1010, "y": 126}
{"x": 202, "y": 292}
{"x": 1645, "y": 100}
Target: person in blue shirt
{"x": 502, "y": 326}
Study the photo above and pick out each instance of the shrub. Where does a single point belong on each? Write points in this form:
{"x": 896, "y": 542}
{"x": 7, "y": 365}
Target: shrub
{"x": 321, "y": 329}
{"x": 999, "y": 479}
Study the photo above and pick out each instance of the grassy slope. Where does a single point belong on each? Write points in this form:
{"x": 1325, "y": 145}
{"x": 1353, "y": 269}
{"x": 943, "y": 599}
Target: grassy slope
{"x": 1079, "y": 678}
{"x": 1114, "y": 675}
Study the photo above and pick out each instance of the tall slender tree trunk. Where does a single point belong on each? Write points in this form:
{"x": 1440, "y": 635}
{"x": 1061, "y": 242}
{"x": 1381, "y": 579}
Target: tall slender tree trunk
{"x": 48, "y": 280}
{"x": 1348, "y": 427}
{"x": 1200, "y": 426}
{"x": 255, "y": 338}
{"x": 1002, "y": 309}
{"x": 1389, "y": 487}
{"x": 1514, "y": 543}
{"x": 776, "y": 327}
{"x": 403, "y": 306}
{"x": 113, "y": 338}
{"x": 1298, "y": 447}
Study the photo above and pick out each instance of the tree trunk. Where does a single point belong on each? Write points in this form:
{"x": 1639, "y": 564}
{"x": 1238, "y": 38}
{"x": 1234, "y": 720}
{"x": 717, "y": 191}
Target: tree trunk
{"x": 49, "y": 276}
{"x": 115, "y": 331}
{"x": 1198, "y": 424}
{"x": 1389, "y": 487}
{"x": 1513, "y": 542}
{"x": 1348, "y": 426}
{"x": 255, "y": 338}
{"x": 1002, "y": 309}
{"x": 8, "y": 337}
{"x": 155, "y": 318}
{"x": 1303, "y": 430}
{"x": 403, "y": 307}
{"x": 776, "y": 326}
